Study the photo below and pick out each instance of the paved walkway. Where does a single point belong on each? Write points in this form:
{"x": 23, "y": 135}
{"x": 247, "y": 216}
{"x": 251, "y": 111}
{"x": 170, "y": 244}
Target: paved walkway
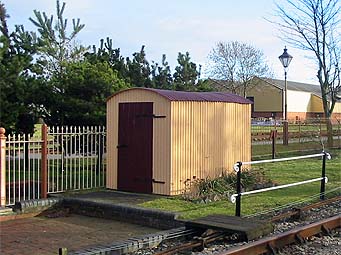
{"x": 42, "y": 235}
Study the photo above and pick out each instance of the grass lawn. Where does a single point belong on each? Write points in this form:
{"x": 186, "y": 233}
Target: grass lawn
{"x": 280, "y": 173}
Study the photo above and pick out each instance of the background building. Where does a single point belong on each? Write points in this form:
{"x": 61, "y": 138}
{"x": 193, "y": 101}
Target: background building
{"x": 304, "y": 100}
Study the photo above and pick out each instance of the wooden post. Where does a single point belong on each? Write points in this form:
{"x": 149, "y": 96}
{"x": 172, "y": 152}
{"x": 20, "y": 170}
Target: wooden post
{"x": 273, "y": 136}
{"x": 2, "y": 167}
{"x": 62, "y": 251}
{"x": 44, "y": 161}
{"x": 299, "y": 132}
{"x": 285, "y": 132}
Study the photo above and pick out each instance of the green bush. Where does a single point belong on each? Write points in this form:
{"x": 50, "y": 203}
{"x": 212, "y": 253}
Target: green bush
{"x": 214, "y": 189}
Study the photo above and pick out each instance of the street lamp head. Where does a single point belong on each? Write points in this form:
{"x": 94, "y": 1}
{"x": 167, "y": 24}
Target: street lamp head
{"x": 285, "y": 58}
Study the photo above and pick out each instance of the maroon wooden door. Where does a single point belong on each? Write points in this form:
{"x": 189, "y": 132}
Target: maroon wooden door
{"x": 135, "y": 147}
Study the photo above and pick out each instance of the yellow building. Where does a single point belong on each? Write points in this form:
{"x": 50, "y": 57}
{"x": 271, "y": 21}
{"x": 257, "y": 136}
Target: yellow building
{"x": 159, "y": 141}
{"x": 303, "y": 101}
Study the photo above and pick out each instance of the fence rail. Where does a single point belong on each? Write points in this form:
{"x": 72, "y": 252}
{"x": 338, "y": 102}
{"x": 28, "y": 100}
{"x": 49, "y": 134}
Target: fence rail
{"x": 301, "y": 130}
{"x": 76, "y": 158}
{"x": 236, "y": 198}
{"x": 63, "y": 159}
{"x": 23, "y": 175}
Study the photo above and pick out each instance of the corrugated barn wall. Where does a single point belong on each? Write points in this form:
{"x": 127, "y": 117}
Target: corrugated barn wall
{"x": 207, "y": 139}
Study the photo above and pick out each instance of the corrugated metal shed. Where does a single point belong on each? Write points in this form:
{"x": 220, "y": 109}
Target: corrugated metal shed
{"x": 189, "y": 136}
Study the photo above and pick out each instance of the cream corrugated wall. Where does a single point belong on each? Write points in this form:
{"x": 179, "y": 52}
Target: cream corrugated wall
{"x": 207, "y": 139}
{"x": 161, "y": 137}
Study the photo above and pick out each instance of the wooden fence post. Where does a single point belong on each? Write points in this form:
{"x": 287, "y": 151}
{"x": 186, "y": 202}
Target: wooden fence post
{"x": 62, "y": 251}
{"x": 44, "y": 161}
{"x": 273, "y": 136}
{"x": 2, "y": 167}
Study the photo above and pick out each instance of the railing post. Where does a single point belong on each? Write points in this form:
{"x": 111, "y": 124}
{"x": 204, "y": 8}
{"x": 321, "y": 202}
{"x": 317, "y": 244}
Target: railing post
{"x": 239, "y": 189}
{"x": 2, "y": 167}
{"x": 44, "y": 161}
{"x": 323, "y": 175}
{"x": 62, "y": 251}
{"x": 273, "y": 136}
{"x": 299, "y": 131}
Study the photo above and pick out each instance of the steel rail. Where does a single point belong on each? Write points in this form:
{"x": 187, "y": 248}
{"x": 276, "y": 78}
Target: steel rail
{"x": 298, "y": 211}
{"x": 198, "y": 242}
{"x": 299, "y": 234}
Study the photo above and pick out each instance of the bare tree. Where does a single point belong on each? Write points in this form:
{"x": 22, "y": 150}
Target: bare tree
{"x": 237, "y": 63}
{"x": 314, "y": 25}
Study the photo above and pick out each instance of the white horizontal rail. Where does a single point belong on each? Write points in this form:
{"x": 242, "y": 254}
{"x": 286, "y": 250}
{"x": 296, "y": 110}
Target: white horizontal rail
{"x": 233, "y": 197}
{"x": 282, "y": 159}
{"x": 22, "y": 141}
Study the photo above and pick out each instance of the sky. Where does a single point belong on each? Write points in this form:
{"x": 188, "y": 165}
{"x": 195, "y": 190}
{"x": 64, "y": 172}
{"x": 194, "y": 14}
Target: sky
{"x": 173, "y": 26}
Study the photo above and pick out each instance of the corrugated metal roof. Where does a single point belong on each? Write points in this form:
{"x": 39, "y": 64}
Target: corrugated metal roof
{"x": 296, "y": 86}
{"x": 222, "y": 85}
{"x": 174, "y": 95}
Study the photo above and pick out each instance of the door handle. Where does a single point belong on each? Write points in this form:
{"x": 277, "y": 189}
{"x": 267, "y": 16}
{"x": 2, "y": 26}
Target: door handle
{"x": 121, "y": 146}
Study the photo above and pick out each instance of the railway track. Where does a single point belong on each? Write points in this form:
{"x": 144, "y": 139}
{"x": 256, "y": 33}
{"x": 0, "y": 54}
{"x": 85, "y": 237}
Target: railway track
{"x": 297, "y": 212}
{"x": 270, "y": 244}
{"x": 273, "y": 243}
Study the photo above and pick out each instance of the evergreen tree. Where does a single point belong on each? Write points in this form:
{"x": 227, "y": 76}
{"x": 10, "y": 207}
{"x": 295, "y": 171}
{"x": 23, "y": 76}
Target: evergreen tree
{"x": 56, "y": 46}
{"x": 106, "y": 53}
{"x": 161, "y": 75}
{"x": 139, "y": 70}
{"x": 20, "y": 78}
{"x": 57, "y": 49}
{"x": 185, "y": 74}
{"x": 86, "y": 88}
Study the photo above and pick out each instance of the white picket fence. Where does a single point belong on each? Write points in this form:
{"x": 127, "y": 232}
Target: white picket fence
{"x": 76, "y": 158}
{"x": 63, "y": 159}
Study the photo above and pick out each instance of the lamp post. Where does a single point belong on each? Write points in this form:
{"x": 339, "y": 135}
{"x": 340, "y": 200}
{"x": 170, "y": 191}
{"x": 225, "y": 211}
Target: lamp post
{"x": 285, "y": 59}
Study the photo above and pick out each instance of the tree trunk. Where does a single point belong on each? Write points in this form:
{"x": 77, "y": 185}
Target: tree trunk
{"x": 329, "y": 132}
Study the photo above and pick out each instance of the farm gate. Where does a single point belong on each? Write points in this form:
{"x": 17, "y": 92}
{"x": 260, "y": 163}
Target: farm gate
{"x": 60, "y": 159}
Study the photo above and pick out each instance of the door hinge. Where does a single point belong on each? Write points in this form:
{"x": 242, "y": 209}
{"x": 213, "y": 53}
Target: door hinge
{"x": 161, "y": 182}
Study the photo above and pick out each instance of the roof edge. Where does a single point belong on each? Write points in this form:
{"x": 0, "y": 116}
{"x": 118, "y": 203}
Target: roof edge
{"x": 135, "y": 88}
{"x": 270, "y": 83}
{"x": 173, "y": 95}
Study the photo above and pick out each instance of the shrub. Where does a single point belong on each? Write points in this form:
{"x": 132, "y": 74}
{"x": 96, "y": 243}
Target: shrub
{"x": 213, "y": 189}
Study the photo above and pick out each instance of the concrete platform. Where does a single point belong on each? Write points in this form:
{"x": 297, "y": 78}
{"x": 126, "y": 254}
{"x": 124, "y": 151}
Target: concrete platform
{"x": 114, "y": 205}
{"x": 110, "y": 196}
{"x": 249, "y": 229}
